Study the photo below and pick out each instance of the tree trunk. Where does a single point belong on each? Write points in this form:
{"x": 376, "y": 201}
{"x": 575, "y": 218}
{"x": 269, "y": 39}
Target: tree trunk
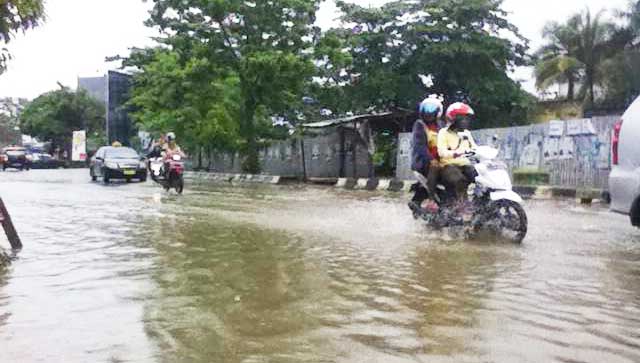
{"x": 590, "y": 84}
{"x": 251, "y": 163}
{"x": 571, "y": 90}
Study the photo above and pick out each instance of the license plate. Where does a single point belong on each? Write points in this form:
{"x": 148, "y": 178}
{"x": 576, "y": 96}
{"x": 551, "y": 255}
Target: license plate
{"x": 129, "y": 172}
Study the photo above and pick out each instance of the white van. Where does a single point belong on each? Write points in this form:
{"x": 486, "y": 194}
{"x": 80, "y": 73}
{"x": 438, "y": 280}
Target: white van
{"x": 624, "y": 181}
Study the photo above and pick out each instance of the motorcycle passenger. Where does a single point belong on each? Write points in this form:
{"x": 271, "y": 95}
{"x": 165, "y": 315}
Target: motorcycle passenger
{"x": 155, "y": 152}
{"x": 170, "y": 148}
{"x": 454, "y": 143}
{"x": 425, "y": 150}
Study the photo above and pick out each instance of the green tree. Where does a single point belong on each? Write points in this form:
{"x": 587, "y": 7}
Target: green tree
{"x": 16, "y": 15}
{"x": 262, "y": 43}
{"x": 9, "y": 123}
{"x": 187, "y": 96}
{"x": 622, "y": 71}
{"x": 578, "y": 50}
{"x": 556, "y": 61}
{"x": 54, "y": 116}
{"x": 463, "y": 45}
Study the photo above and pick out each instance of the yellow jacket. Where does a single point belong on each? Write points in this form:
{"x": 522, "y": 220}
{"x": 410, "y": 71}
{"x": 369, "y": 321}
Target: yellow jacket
{"x": 450, "y": 143}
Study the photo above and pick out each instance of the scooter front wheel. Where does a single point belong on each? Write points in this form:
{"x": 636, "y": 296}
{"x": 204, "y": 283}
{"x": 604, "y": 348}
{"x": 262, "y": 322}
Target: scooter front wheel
{"x": 509, "y": 219}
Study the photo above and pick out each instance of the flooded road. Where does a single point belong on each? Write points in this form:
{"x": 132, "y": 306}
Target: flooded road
{"x": 127, "y": 273}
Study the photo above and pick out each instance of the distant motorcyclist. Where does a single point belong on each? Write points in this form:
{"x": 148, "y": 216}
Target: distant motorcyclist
{"x": 425, "y": 149}
{"x": 171, "y": 147}
{"x": 454, "y": 144}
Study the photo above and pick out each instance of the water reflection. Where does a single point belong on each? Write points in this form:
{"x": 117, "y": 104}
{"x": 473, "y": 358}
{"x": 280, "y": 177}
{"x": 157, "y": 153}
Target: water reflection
{"x": 227, "y": 291}
{"x": 246, "y": 291}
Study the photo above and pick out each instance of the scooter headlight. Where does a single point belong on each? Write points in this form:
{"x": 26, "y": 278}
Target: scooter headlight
{"x": 176, "y": 157}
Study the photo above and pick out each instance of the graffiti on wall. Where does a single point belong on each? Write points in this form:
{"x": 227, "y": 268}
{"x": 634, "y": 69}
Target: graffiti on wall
{"x": 575, "y": 152}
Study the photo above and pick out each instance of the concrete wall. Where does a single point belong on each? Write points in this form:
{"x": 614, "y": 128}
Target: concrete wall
{"x": 322, "y": 158}
{"x": 576, "y": 153}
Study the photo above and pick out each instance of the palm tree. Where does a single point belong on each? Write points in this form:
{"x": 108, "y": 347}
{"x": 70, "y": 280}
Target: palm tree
{"x": 575, "y": 52}
{"x": 557, "y": 63}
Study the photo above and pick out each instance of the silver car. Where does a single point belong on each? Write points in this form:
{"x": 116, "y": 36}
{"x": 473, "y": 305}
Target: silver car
{"x": 624, "y": 181}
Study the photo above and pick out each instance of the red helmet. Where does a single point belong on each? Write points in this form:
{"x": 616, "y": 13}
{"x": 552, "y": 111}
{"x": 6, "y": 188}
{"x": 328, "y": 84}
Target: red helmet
{"x": 459, "y": 109}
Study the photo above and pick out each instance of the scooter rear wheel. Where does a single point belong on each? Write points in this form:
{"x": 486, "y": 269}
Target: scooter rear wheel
{"x": 179, "y": 185}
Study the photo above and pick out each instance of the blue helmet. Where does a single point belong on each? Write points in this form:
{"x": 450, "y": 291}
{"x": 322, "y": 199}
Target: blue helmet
{"x": 431, "y": 105}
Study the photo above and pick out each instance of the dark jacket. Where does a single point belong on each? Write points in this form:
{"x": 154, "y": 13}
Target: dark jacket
{"x": 420, "y": 157}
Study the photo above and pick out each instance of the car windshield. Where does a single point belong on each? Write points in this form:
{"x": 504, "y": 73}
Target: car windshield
{"x": 122, "y": 153}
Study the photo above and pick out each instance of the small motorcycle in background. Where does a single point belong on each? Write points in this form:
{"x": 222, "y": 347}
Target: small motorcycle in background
{"x": 168, "y": 172}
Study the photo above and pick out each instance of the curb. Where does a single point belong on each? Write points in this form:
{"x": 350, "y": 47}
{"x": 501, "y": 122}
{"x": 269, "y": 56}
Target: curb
{"x": 546, "y": 192}
{"x": 391, "y": 185}
{"x": 535, "y": 192}
{"x": 232, "y": 178}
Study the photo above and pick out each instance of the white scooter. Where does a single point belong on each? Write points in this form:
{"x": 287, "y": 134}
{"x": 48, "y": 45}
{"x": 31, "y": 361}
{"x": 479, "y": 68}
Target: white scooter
{"x": 494, "y": 206}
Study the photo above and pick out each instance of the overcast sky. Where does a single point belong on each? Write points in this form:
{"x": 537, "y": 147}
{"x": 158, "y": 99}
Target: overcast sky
{"x": 78, "y": 34}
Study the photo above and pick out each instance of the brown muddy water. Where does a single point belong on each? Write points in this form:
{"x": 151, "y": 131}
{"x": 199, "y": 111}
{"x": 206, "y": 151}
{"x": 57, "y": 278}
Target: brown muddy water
{"x": 128, "y": 273}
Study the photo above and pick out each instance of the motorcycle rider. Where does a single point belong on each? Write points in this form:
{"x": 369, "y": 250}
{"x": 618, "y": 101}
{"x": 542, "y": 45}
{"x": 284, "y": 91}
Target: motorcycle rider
{"x": 155, "y": 152}
{"x": 454, "y": 143}
{"x": 425, "y": 150}
{"x": 170, "y": 148}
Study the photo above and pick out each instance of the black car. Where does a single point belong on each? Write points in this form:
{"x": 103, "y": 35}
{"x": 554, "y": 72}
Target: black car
{"x": 15, "y": 157}
{"x": 117, "y": 163}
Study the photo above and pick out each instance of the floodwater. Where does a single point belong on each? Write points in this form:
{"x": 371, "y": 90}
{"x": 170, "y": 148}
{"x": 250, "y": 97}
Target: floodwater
{"x": 128, "y": 273}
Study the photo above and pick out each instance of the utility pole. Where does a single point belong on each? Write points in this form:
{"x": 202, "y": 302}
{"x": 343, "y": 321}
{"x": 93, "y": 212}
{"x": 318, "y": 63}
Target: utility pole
{"x": 9, "y": 230}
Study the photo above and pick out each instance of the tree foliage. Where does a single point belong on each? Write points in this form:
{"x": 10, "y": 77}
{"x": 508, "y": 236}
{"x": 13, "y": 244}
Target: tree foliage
{"x": 580, "y": 51}
{"x": 55, "y": 115}
{"x": 258, "y": 46}
{"x": 16, "y": 15}
{"x": 463, "y": 45}
{"x": 188, "y": 97}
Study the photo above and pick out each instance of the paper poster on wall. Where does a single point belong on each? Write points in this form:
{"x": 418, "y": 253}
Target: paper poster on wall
{"x": 550, "y": 149}
{"x": 587, "y": 127}
{"x": 603, "y": 161}
{"x": 405, "y": 146}
{"x": 315, "y": 153}
{"x": 556, "y": 128}
{"x": 536, "y": 140}
{"x": 574, "y": 127}
{"x": 508, "y": 148}
{"x": 530, "y": 156}
{"x": 566, "y": 148}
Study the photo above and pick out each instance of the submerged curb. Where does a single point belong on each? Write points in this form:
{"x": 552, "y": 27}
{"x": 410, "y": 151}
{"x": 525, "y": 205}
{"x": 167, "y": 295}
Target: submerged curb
{"x": 371, "y": 184}
{"x": 535, "y": 192}
{"x": 232, "y": 178}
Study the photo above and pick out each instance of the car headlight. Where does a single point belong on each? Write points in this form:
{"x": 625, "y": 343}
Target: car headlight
{"x": 143, "y": 165}
{"x": 111, "y": 165}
